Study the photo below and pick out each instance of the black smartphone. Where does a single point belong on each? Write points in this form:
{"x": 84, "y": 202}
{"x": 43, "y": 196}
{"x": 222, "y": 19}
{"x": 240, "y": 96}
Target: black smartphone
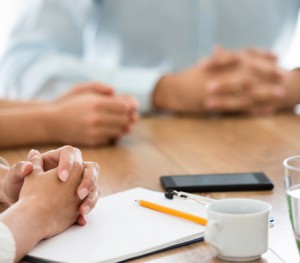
{"x": 217, "y": 182}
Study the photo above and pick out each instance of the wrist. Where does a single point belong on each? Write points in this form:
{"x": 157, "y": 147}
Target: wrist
{"x": 32, "y": 211}
{"x": 181, "y": 92}
{"x": 50, "y": 118}
{"x": 291, "y": 84}
{"x": 26, "y": 223}
{"x": 165, "y": 94}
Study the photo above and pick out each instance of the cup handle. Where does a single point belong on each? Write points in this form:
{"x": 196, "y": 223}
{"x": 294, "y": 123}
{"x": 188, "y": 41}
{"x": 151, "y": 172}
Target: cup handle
{"x": 211, "y": 232}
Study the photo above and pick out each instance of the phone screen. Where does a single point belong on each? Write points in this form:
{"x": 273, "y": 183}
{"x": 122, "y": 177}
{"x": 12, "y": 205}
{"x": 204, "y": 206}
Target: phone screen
{"x": 217, "y": 182}
{"x": 216, "y": 179}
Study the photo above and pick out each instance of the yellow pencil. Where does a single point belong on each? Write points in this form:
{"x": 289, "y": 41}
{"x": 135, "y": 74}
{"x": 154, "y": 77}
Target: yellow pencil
{"x": 174, "y": 212}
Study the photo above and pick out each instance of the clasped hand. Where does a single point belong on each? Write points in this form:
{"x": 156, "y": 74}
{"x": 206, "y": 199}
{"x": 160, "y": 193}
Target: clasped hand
{"x": 63, "y": 162}
{"x": 246, "y": 81}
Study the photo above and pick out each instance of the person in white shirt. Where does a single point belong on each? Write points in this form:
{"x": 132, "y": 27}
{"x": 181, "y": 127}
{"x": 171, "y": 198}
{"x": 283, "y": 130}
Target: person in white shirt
{"x": 38, "y": 204}
{"x": 150, "y": 49}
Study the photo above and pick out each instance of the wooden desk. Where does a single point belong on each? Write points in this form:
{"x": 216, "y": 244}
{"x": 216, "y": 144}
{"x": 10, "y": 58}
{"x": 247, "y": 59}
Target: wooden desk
{"x": 165, "y": 145}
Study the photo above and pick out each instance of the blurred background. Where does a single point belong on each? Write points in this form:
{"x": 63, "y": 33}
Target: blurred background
{"x": 9, "y": 12}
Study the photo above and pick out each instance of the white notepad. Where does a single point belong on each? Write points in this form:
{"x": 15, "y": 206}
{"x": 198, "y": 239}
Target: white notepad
{"x": 119, "y": 229}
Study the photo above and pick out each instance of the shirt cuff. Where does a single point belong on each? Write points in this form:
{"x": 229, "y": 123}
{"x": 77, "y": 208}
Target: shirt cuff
{"x": 8, "y": 245}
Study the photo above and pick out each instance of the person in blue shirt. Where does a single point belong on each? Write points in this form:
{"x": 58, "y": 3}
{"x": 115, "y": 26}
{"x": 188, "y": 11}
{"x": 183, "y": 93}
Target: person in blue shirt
{"x": 151, "y": 50}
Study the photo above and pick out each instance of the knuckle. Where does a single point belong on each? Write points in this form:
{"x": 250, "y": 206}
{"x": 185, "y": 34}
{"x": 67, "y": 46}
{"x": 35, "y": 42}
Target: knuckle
{"x": 78, "y": 153}
{"x": 95, "y": 178}
{"x": 91, "y": 203}
{"x": 68, "y": 148}
{"x": 78, "y": 167}
{"x": 97, "y": 103}
{"x": 97, "y": 168}
{"x": 97, "y": 193}
{"x": 92, "y": 139}
{"x": 93, "y": 172}
{"x": 17, "y": 168}
{"x": 124, "y": 118}
{"x": 253, "y": 66}
{"x": 95, "y": 196}
{"x": 93, "y": 165}
{"x": 122, "y": 106}
{"x": 12, "y": 169}
{"x": 93, "y": 121}
{"x": 91, "y": 200}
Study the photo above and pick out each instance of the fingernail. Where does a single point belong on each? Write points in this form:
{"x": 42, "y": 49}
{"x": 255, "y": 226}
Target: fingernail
{"x": 86, "y": 209}
{"x": 82, "y": 193}
{"x": 64, "y": 174}
{"x": 31, "y": 153}
{"x": 23, "y": 167}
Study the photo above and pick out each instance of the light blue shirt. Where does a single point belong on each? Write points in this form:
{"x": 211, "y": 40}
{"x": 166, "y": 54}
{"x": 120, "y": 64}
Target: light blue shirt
{"x": 131, "y": 43}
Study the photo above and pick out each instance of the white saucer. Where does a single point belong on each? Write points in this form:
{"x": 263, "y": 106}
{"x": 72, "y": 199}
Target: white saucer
{"x": 252, "y": 258}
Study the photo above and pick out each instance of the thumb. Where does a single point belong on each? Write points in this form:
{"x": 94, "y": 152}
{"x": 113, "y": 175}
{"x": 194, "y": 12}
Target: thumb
{"x": 36, "y": 158}
{"x": 18, "y": 171}
{"x": 100, "y": 88}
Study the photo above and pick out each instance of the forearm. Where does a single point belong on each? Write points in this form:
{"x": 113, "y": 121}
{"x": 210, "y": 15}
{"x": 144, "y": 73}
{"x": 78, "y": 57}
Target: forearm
{"x": 164, "y": 96}
{"x": 25, "y": 224}
{"x": 182, "y": 92}
{"x": 292, "y": 85}
{"x": 18, "y": 103}
{"x": 28, "y": 125}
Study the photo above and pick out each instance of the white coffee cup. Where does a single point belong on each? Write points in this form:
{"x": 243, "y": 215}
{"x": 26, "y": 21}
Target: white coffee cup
{"x": 238, "y": 228}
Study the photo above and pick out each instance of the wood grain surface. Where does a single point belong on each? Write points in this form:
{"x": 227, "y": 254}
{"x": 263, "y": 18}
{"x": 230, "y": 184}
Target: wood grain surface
{"x": 163, "y": 145}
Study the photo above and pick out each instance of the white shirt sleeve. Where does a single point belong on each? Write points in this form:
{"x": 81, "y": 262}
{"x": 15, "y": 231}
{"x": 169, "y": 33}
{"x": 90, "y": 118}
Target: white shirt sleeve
{"x": 43, "y": 62}
{"x": 56, "y": 44}
{"x": 54, "y": 74}
{"x": 7, "y": 245}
